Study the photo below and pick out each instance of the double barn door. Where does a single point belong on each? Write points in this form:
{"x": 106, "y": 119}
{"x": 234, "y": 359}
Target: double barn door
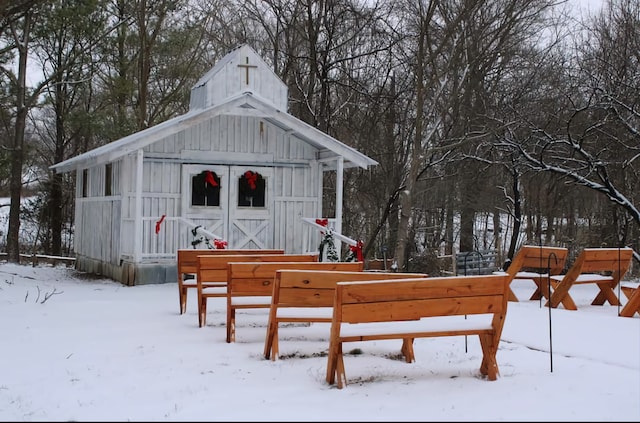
{"x": 233, "y": 202}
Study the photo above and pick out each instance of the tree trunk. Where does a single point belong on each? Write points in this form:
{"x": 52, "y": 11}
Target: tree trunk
{"x": 17, "y": 151}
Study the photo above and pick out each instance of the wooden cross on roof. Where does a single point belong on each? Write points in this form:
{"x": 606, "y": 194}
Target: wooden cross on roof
{"x": 246, "y": 67}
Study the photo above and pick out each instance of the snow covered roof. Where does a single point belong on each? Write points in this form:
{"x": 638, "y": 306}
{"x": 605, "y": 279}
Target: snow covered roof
{"x": 246, "y": 103}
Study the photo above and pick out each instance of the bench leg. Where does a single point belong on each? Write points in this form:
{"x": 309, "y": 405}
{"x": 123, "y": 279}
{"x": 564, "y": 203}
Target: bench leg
{"x": 335, "y": 365}
{"x": 182, "y": 298}
{"x": 231, "y": 324}
{"x": 606, "y": 294}
{"x": 271, "y": 342}
{"x": 489, "y": 365}
{"x": 542, "y": 289}
{"x": 202, "y": 312}
{"x": 341, "y": 375}
{"x": 560, "y": 295}
{"x": 633, "y": 305}
{"x": 407, "y": 350}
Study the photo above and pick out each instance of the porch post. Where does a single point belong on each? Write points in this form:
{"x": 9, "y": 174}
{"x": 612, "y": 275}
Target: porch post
{"x": 339, "y": 193}
{"x": 137, "y": 223}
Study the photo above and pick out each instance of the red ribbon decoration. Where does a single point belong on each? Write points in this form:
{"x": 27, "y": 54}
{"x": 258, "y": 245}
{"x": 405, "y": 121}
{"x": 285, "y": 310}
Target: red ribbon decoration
{"x": 252, "y": 178}
{"x": 219, "y": 244}
{"x": 322, "y": 222}
{"x": 158, "y": 223}
{"x": 358, "y": 250}
{"x": 209, "y": 177}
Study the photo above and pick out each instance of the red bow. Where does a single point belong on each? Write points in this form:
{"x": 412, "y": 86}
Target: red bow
{"x": 158, "y": 223}
{"x": 219, "y": 244}
{"x": 322, "y": 222}
{"x": 251, "y": 177}
{"x": 357, "y": 249}
{"x": 209, "y": 177}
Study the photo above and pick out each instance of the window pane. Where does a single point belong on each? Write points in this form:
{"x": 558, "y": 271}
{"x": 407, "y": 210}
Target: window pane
{"x": 205, "y": 189}
{"x": 251, "y": 190}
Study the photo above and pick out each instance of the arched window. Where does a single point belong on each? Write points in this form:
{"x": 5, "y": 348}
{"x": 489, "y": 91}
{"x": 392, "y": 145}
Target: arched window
{"x": 205, "y": 189}
{"x": 251, "y": 190}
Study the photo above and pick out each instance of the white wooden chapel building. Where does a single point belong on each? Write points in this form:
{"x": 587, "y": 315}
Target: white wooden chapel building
{"x": 237, "y": 166}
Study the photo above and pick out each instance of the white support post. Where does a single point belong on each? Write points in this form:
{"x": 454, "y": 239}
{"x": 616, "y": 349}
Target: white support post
{"x": 137, "y": 223}
{"x": 339, "y": 194}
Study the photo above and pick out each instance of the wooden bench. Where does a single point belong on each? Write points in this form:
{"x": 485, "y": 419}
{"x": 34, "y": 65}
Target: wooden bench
{"x": 187, "y": 268}
{"x": 212, "y": 274}
{"x": 250, "y": 285}
{"x": 633, "y": 301}
{"x": 415, "y": 308}
{"x": 533, "y": 262}
{"x": 604, "y": 267}
{"x": 306, "y": 296}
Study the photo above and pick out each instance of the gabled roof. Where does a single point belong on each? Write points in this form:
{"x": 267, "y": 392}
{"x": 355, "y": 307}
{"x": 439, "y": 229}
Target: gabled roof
{"x": 240, "y": 70}
{"x": 246, "y": 103}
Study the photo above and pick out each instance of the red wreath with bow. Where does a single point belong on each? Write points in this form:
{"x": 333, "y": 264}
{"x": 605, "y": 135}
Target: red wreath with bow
{"x": 252, "y": 178}
{"x": 210, "y": 178}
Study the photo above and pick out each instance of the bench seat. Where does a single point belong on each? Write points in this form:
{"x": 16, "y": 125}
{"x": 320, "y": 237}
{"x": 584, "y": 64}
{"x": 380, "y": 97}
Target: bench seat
{"x": 252, "y": 302}
{"x": 305, "y": 313}
{"x": 215, "y": 290}
{"x": 586, "y": 278}
{"x": 531, "y": 275}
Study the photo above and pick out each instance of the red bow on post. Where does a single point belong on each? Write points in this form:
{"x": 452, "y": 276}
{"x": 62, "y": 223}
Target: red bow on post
{"x": 158, "y": 223}
{"x": 219, "y": 244}
{"x": 322, "y": 222}
{"x": 251, "y": 178}
{"x": 358, "y": 250}
{"x": 209, "y": 177}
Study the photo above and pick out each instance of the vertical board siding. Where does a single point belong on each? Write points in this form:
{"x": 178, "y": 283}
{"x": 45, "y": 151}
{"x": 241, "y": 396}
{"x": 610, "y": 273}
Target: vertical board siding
{"x": 98, "y": 229}
{"x": 294, "y": 189}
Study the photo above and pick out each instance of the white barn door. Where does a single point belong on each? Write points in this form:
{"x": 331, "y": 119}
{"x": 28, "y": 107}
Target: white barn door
{"x": 233, "y": 202}
{"x": 205, "y": 198}
{"x": 251, "y": 207}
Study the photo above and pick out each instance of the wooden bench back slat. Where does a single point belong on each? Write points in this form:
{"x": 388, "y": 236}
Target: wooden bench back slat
{"x": 316, "y": 288}
{"x": 249, "y": 279}
{"x": 188, "y": 258}
{"x": 441, "y": 287}
{"x": 605, "y": 260}
{"x": 540, "y": 258}
{"x": 415, "y": 298}
{"x": 399, "y": 310}
{"x": 214, "y": 268}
